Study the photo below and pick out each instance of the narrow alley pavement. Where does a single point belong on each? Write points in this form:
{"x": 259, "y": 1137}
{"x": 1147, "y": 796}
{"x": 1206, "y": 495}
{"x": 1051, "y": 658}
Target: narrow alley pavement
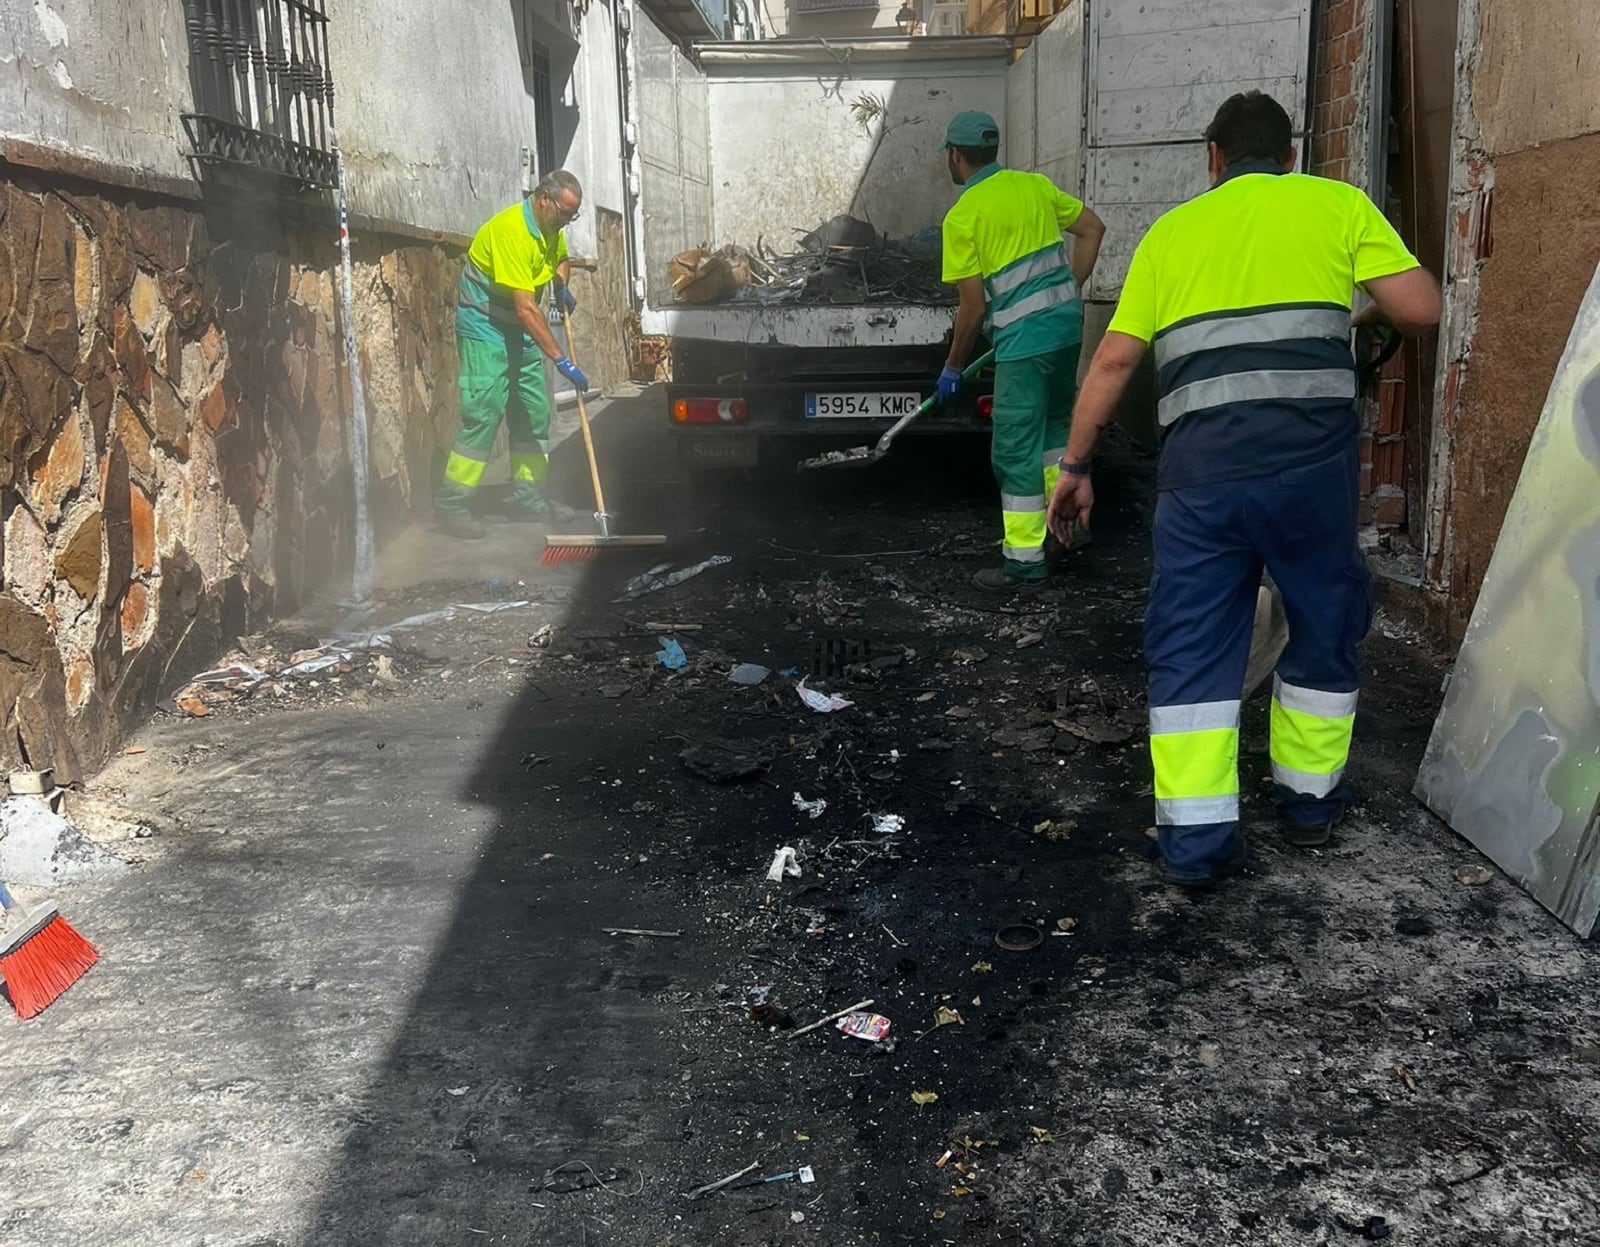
{"x": 359, "y": 987}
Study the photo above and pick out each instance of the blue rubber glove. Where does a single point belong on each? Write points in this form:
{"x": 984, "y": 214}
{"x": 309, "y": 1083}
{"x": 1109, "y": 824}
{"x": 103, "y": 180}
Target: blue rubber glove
{"x": 949, "y": 383}
{"x": 573, "y": 373}
{"x": 565, "y": 299}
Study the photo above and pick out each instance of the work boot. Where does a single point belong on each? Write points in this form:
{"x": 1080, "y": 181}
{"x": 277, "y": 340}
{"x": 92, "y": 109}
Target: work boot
{"x": 459, "y": 524}
{"x": 1309, "y": 835}
{"x": 1240, "y": 863}
{"x": 999, "y": 579}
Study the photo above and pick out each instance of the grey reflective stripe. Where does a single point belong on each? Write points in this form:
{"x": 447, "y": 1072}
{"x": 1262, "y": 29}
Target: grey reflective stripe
{"x": 1244, "y": 387}
{"x": 1022, "y": 502}
{"x": 1026, "y": 269}
{"x": 1023, "y": 554}
{"x": 1202, "y": 716}
{"x": 1188, "y": 811}
{"x": 1307, "y": 783}
{"x": 1284, "y": 324}
{"x": 1050, "y": 296}
{"x": 1314, "y": 700}
{"x": 1053, "y": 456}
{"x": 470, "y": 452}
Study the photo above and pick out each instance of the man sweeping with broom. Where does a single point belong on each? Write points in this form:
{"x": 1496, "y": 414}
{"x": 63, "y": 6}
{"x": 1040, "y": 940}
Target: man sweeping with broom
{"x": 504, "y": 340}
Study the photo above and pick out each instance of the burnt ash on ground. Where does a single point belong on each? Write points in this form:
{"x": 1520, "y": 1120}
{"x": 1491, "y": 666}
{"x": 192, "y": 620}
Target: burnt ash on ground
{"x": 1343, "y": 1046}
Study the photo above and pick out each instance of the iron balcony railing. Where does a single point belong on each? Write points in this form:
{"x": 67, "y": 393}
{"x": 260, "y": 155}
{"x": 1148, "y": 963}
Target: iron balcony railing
{"x": 262, "y": 91}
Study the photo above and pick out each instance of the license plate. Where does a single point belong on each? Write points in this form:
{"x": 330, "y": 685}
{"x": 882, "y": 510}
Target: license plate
{"x": 870, "y": 405}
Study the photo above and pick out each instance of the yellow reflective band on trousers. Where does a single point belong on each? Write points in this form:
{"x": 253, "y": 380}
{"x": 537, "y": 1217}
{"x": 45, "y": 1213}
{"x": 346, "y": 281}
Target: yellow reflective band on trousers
{"x": 529, "y": 462}
{"x": 1311, "y": 732}
{"x": 1023, "y": 517}
{"x": 465, "y": 467}
{"x": 1195, "y": 751}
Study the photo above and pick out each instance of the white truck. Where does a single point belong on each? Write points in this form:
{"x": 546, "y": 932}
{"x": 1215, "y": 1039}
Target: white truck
{"x": 762, "y": 141}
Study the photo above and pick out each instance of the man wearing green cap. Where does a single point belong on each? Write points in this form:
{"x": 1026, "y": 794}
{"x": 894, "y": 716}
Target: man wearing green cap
{"x": 1005, "y": 253}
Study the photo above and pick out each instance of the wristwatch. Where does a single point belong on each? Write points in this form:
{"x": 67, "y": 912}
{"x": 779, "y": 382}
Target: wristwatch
{"x": 1076, "y": 469}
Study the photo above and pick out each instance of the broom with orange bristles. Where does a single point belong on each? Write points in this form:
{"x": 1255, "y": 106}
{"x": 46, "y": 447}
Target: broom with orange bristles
{"x": 579, "y": 548}
{"x": 41, "y": 956}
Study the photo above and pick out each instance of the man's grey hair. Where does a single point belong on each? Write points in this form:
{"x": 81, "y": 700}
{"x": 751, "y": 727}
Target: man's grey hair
{"x": 551, "y": 185}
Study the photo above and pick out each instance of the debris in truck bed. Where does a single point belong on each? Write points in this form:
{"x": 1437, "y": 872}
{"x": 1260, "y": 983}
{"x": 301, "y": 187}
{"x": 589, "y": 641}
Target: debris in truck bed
{"x": 842, "y": 261}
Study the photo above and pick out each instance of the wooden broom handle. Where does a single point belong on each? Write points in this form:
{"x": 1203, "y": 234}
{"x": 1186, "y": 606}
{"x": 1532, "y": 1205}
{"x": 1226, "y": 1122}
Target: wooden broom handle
{"x": 583, "y": 419}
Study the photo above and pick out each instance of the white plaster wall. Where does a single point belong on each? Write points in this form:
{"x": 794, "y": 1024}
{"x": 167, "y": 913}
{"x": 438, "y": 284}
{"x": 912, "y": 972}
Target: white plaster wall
{"x": 1044, "y": 120}
{"x": 787, "y": 152}
{"x": 105, "y": 81}
{"x": 674, "y": 157}
{"x": 430, "y": 99}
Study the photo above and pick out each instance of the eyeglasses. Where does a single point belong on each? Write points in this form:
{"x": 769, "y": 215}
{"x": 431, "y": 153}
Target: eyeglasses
{"x": 565, "y": 215}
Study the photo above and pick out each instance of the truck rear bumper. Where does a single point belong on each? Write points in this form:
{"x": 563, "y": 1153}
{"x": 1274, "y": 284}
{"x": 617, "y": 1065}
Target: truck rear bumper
{"x": 780, "y": 410}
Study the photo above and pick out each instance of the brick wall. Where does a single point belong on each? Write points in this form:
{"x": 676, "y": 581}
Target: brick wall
{"x": 173, "y": 423}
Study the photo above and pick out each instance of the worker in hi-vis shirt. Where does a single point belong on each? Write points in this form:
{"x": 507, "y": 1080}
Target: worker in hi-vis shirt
{"x": 1005, "y": 253}
{"x": 1245, "y": 294}
{"x": 504, "y": 338}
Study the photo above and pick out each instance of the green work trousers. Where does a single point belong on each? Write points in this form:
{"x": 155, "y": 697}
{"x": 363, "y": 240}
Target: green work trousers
{"x": 1032, "y": 411}
{"x": 501, "y": 379}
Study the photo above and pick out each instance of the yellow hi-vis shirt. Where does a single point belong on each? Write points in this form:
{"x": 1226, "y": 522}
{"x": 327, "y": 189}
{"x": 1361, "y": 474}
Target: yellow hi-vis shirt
{"x": 508, "y": 253}
{"x": 1006, "y": 228}
{"x": 1245, "y": 292}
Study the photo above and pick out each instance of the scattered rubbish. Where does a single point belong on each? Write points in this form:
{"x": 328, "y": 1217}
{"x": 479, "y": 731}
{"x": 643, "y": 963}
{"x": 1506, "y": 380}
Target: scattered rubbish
{"x": 796, "y": 1217}
{"x": 784, "y": 862}
{"x": 236, "y": 676}
{"x": 192, "y": 704}
{"x": 967, "y": 657}
{"x": 544, "y": 638}
{"x": 822, "y": 703}
{"x": 766, "y": 1014}
{"x": 873, "y": 1027}
{"x": 1405, "y": 1076}
{"x": 1041, "y": 1136}
{"x": 1473, "y": 874}
{"x": 815, "y": 809}
{"x": 1095, "y": 731}
{"x": 1019, "y": 938}
{"x": 577, "y": 1175}
{"x": 1066, "y": 925}
{"x": 935, "y": 744}
{"x": 665, "y": 935}
{"x": 40, "y": 848}
{"x": 944, "y": 1015}
{"x": 858, "y": 1007}
{"x": 661, "y": 577}
{"x": 322, "y": 662}
{"x": 722, "y": 763}
{"x": 531, "y": 760}
{"x": 982, "y": 967}
{"x": 887, "y": 824}
{"x": 672, "y": 627}
{"x": 457, "y": 1091}
{"x": 925, "y": 697}
{"x": 490, "y": 608}
{"x": 1209, "y": 1054}
{"x": 749, "y": 673}
{"x": 924, "y": 1097}
{"x": 615, "y": 691}
{"x": 711, "y": 1188}
{"x": 671, "y": 655}
{"x": 958, "y": 712}
{"x": 789, "y": 673}
{"x": 1029, "y": 639}
{"x": 1055, "y": 829}
{"x": 894, "y": 939}
{"x": 383, "y": 671}
{"x": 41, "y": 954}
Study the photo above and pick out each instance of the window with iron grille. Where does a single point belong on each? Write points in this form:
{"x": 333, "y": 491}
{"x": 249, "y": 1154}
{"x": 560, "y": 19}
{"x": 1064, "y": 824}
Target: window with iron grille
{"x": 262, "y": 91}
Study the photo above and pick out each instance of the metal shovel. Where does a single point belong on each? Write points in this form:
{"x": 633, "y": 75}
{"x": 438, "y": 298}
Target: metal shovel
{"x": 865, "y": 456}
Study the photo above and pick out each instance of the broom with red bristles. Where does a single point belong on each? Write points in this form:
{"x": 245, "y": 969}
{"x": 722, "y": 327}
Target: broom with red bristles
{"x": 577, "y": 548}
{"x": 41, "y": 956}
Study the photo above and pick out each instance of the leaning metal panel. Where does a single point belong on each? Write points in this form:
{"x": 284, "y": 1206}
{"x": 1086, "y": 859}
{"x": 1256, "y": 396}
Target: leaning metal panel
{"x": 1514, "y": 762}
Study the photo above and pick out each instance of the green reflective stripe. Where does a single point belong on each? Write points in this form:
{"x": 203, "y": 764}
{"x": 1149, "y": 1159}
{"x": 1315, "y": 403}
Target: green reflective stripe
{"x": 1251, "y": 330}
{"x": 1022, "y": 502}
{"x": 1190, "y": 811}
{"x": 1202, "y": 763}
{"x": 1005, "y": 280}
{"x": 464, "y": 469}
{"x": 1244, "y": 387}
{"x": 1201, "y": 716}
{"x": 1051, "y": 296}
{"x": 1306, "y": 783}
{"x": 1314, "y": 701}
{"x": 1310, "y": 743}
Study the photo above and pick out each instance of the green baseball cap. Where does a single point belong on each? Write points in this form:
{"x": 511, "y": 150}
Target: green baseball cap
{"x": 972, "y": 129}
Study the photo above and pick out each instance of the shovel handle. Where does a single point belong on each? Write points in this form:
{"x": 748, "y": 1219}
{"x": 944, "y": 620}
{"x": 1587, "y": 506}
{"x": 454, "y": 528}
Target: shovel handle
{"x": 928, "y": 404}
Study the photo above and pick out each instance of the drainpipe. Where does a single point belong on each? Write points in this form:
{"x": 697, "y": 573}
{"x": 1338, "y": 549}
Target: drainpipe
{"x": 633, "y": 207}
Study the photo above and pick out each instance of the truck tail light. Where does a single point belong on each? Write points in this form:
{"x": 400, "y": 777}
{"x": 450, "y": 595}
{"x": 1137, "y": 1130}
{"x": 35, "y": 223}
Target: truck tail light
{"x": 986, "y": 406}
{"x": 709, "y": 411}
